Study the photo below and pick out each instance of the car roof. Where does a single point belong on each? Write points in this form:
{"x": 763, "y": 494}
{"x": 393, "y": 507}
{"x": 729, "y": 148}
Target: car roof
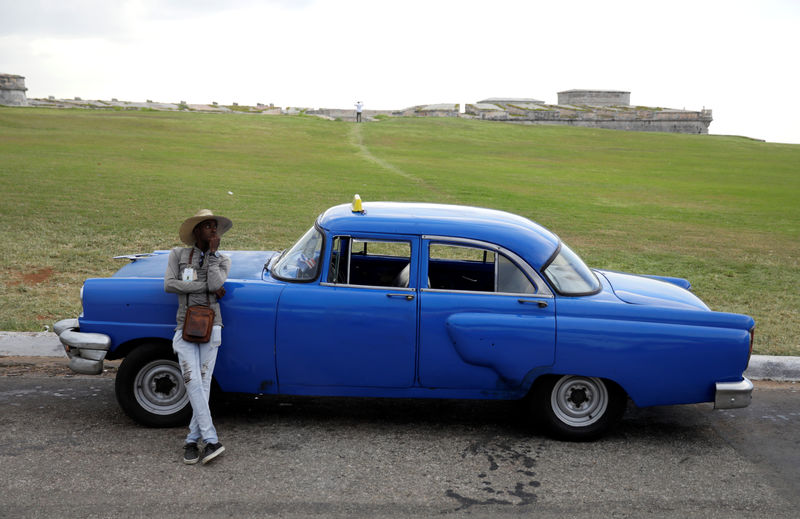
{"x": 521, "y": 235}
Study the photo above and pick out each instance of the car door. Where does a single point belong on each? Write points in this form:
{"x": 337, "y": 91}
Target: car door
{"x": 487, "y": 320}
{"x": 357, "y": 326}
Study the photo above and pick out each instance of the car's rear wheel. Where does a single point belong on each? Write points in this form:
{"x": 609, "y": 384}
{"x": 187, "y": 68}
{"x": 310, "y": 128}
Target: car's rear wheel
{"x": 577, "y": 408}
{"x": 150, "y": 389}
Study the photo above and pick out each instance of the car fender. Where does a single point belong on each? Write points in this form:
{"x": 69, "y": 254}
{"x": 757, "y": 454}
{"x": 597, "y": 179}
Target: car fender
{"x": 511, "y": 345}
{"x": 655, "y": 363}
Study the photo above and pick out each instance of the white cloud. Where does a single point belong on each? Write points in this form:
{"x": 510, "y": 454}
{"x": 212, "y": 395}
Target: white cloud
{"x": 52, "y": 18}
{"x": 189, "y": 9}
{"x": 735, "y": 57}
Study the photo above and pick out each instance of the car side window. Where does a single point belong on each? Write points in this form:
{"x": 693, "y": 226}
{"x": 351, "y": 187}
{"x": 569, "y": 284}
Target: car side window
{"x": 473, "y": 269}
{"x": 368, "y": 262}
{"x": 511, "y": 279}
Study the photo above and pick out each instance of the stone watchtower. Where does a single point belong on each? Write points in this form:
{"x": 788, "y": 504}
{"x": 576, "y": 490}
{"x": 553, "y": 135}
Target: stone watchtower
{"x": 12, "y": 90}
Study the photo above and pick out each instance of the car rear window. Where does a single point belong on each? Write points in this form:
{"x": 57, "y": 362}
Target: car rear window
{"x": 474, "y": 269}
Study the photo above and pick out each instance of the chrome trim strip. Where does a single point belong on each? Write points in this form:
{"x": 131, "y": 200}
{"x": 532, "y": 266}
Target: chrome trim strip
{"x": 373, "y": 287}
{"x": 134, "y": 257}
{"x": 88, "y": 341}
{"x": 514, "y": 294}
{"x": 496, "y": 280}
{"x": 93, "y": 354}
{"x": 349, "y": 258}
{"x": 733, "y": 395}
{"x": 65, "y": 324}
{"x": 85, "y": 366}
{"x": 465, "y": 241}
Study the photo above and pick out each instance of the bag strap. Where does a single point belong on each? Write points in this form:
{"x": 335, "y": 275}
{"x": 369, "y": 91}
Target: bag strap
{"x": 208, "y": 299}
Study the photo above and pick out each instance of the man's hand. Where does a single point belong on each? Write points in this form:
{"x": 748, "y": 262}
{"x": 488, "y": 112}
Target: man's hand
{"x": 213, "y": 244}
{"x": 220, "y": 292}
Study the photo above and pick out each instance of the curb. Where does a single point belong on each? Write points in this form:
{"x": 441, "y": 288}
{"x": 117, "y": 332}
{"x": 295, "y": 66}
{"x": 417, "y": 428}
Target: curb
{"x": 46, "y": 344}
{"x": 778, "y": 368}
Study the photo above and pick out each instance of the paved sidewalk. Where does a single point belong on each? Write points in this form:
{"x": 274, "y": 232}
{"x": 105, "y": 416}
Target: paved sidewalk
{"x": 30, "y": 344}
{"x": 46, "y": 344}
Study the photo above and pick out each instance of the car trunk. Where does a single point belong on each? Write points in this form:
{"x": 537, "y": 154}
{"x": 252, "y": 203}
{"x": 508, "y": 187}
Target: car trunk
{"x": 643, "y": 290}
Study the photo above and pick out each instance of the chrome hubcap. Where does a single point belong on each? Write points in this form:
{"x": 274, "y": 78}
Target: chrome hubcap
{"x": 579, "y": 401}
{"x": 159, "y": 388}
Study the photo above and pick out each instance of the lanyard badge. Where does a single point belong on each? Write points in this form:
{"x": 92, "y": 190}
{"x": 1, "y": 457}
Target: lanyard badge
{"x": 189, "y": 274}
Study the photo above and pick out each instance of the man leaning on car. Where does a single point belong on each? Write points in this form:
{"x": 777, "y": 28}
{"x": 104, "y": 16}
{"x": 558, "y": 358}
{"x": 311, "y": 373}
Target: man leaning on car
{"x": 196, "y": 274}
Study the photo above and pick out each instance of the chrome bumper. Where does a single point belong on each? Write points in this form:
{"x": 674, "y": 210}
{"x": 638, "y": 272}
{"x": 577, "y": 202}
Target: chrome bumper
{"x": 730, "y": 395}
{"x": 86, "y": 351}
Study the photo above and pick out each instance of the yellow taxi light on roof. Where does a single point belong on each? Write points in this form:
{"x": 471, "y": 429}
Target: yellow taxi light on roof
{"x": 357, "y": 208}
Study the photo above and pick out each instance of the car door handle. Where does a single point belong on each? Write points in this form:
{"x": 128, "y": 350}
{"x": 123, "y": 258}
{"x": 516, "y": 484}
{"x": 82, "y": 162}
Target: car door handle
{"x": 542, "y": 304}
{"x": 408, "y": 297}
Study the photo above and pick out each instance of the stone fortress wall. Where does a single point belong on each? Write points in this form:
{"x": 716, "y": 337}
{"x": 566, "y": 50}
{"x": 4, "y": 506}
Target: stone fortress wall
{"x": 593, "y": 109}
{"x": 590, "y": 108}
{"x": 609, "y": 109}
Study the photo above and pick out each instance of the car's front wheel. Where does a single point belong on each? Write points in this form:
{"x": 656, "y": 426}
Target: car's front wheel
{"x": 577, "y": 408}
{"x": 150, "y": 389}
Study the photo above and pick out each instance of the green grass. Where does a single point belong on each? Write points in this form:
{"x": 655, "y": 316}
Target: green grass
{"x": 82, "y": 186}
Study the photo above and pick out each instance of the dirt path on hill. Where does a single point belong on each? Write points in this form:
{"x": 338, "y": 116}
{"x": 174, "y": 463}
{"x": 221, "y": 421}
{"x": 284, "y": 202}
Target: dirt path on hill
{"x": 356, "y": 138}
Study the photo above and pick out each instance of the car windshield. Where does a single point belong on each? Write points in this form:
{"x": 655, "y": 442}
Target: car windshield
{"x": 301, "y": 262}
{"x": 570, "y": 275}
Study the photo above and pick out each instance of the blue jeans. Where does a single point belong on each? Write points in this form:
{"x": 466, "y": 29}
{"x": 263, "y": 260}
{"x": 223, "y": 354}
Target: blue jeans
{"x": 198, "y": 358}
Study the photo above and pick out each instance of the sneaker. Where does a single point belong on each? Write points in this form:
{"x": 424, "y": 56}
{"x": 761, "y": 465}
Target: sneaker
{"x": 191, "y": 454}
{"x": 212, "y": 450}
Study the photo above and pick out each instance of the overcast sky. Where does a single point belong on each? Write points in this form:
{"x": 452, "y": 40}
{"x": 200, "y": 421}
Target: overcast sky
{"x": 739, "y": 58}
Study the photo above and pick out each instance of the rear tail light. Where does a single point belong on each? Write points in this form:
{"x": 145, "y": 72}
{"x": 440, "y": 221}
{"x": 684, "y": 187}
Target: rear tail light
{"x": 752, "y": 337}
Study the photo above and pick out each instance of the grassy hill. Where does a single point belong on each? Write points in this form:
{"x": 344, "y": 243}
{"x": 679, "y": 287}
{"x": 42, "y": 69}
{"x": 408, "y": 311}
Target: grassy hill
{"x": 82, "y": 186}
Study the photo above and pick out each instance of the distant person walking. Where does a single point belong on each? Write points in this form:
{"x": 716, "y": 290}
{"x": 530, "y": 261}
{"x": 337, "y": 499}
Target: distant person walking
{"x": 359, "y": 106}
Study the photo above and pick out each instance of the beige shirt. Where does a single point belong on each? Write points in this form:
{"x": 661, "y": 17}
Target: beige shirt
{"x": 210, "y": 278}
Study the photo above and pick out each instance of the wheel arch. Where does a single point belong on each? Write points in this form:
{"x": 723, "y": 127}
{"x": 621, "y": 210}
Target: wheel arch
{"x": 545, "y": 377}
{"x": 125, "y": 348}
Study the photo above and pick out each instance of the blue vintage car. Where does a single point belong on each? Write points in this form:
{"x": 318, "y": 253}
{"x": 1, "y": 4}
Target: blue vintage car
{"x": 415, "y": 300}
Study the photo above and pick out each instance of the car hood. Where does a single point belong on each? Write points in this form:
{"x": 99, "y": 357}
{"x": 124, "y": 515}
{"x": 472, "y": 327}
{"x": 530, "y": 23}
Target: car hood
{"x": 644, "y": 290}
{"x": 244, "y": 264}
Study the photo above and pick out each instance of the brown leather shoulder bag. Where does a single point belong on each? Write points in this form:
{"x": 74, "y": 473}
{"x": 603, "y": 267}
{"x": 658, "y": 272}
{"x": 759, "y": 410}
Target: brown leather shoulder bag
{"x": 199, "y": 320}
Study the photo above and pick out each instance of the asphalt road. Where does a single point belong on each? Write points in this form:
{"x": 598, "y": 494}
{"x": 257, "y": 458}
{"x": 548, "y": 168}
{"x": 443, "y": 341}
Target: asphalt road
{"x": 66, "y": 450}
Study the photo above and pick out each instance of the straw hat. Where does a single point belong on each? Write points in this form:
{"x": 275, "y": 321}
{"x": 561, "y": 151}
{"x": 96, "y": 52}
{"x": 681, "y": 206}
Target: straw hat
{"x": 186, "y": 234}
